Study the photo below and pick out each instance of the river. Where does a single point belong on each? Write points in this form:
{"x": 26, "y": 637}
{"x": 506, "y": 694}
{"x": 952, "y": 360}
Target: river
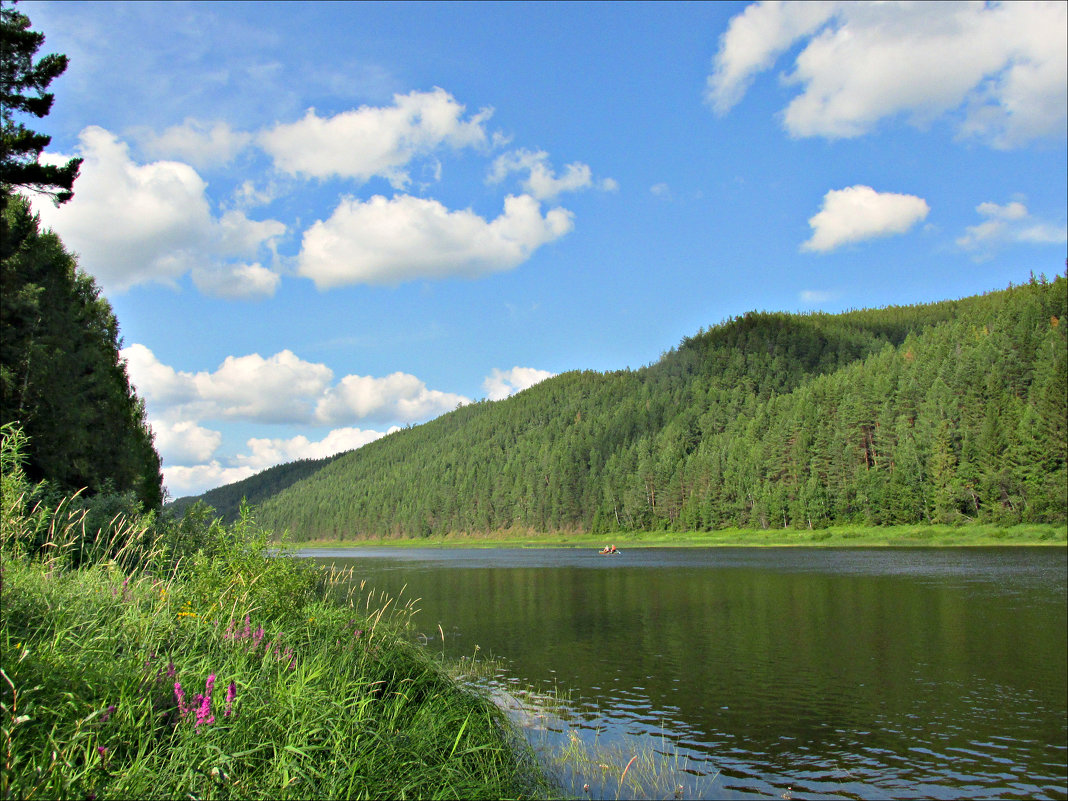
{"x": 764, "y": 672}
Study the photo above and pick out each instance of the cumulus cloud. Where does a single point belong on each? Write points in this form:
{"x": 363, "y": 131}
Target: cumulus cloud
{"x": 1011, "y": 222}
{"x": 266, "y": 453}
{"x": 374, "y": 141}
{"x": 184, "y": 480}
{"x": 500, "y": 384}
{"x": 388, "y": 241}
{"x": 183, "y": 442}
{"x": 752, "y": 42}
{"x": 135, "y": 223}
{"x": 857, "y": 213}
{"x": 398, "y": 396}
{"x": 862, "y": 62}
{"x": 197, "y": 142}
{"x": 237, "y": 281}
{"x": 282, "y": 388}
{"x": 541, "y": 181}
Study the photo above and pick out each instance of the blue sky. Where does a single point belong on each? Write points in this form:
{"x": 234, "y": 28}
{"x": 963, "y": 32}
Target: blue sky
{"x": 320, "y": 222}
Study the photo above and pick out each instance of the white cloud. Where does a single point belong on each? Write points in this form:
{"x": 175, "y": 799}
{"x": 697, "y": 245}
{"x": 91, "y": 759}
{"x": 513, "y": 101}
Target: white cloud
{"x": 135, "y": 223}
{"x": 1009, "y": 223}
{"x": 155, "y": 382}
{"x": 388, "y": 241}
{"x": 183, "y": 442}
{"x": 541, "y": 181}
{"x": 273, "y": 390}
{"x": 398, "y": 396}
{"x": 279, "y": 389}
{"x": 374, "y": 141}
{"x": 752, "y": 42}
{"x": 237, "y": 281}
{"x": 197, "y": 142}
{"x": 863, "y": 62}
{"x": 267, "y": 453}
{"x": 858, "y": 212}
{"x": 500, "y": 384}
{"x": 181, "y": 480}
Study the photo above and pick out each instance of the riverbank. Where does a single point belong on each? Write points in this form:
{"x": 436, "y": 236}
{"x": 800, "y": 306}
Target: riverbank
{"x": 178, "y": 659}
{"x": 837, "y": 537}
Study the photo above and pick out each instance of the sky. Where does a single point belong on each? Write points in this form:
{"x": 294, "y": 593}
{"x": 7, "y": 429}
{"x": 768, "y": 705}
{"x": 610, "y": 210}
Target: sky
{"x": 319, "y": 223}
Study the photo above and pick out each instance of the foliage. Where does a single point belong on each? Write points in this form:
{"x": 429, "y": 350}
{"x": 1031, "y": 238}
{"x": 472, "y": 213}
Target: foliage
{"x": 951, "y": 413}
{"x": 224, "y": 673}
{"x": 61, "y": 376}
{"x": 22, "y": 90}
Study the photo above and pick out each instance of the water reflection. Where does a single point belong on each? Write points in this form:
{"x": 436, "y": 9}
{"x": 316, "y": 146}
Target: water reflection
{"x": 835, "y": 673}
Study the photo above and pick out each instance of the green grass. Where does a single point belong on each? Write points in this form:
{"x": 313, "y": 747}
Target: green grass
{"x": 837, "y": 536}
{"x": 337, "y": 706}
{"x": 130, "y": 668}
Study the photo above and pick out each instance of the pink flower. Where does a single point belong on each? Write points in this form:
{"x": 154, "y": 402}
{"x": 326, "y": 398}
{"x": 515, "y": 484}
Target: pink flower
{"x": 180, "y": 695}
{"x": 204, "y": 716}
{"x": 231, "y": 693}
{"x": 248, "y": 628}
{"x": 257, "y": 638}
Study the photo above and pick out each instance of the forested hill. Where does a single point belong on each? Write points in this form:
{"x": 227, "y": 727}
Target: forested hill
{"x": 226, "y": 500}
{"x": 947, "y": 412}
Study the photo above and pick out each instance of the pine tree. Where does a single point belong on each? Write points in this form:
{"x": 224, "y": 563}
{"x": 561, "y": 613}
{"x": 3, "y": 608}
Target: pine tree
{"x": 22, "y": 91}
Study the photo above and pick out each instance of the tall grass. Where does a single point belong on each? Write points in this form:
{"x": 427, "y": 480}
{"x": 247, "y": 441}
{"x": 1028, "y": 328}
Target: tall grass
{"x": 166, "y": 659}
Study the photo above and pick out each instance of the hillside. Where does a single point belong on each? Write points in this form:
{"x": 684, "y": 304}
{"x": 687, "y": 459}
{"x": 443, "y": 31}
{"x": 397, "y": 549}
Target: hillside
{"x": 226, "y": 500}
{"x": 947, "y": 412}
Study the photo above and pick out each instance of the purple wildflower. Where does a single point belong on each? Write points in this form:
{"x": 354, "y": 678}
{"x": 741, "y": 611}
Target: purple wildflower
{"x": 231, "y": 694}
{"x": 171, "y": 672}
{"x": 257, "y": 638}
{"x": 229, "y": 635}
{"x": 204, "y": 716}
{"x": 107, "y": 713}
{"x": 180, "y": 695}
{"x": 102, "y": 750}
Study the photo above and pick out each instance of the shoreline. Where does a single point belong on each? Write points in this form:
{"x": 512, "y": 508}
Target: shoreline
{"x": 907, "y": 536}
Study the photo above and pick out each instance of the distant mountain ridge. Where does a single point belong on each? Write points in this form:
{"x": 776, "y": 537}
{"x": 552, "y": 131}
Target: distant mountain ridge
{"x": 945, "y": 412}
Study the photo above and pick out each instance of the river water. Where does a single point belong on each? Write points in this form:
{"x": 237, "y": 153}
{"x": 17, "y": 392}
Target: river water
{"x": 764, "y": 672}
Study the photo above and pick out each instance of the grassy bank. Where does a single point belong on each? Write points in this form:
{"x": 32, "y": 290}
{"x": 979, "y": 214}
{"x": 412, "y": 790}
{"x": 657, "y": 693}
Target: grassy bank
{"x": 840, "y": 536}
{"x": 181, "y": 661}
